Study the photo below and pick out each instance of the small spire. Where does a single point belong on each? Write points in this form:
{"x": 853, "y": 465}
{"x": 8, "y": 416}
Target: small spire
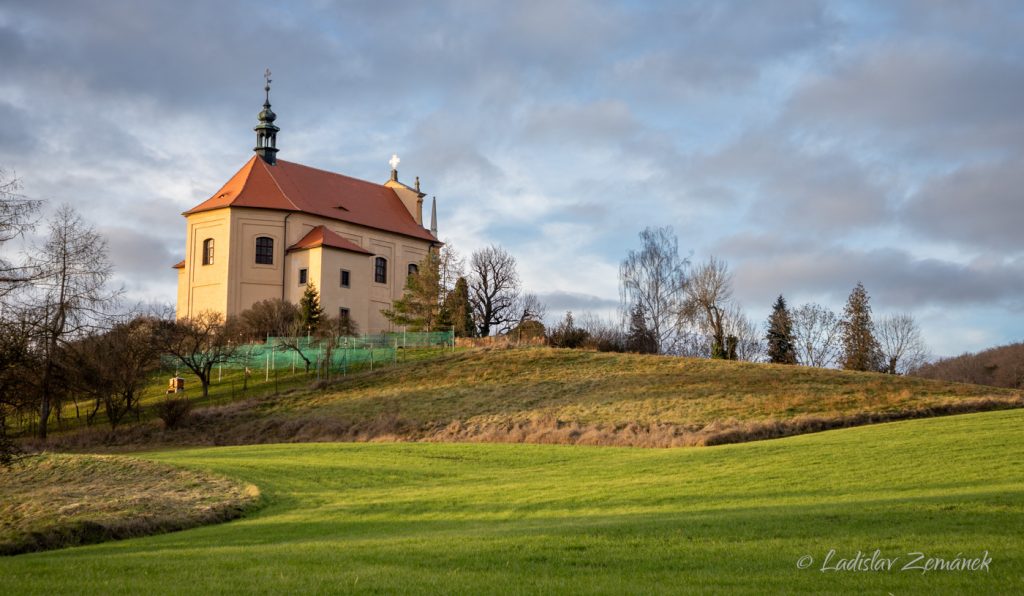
{"x": 417, "y": 183}
{"x": 266, "y": 131}
{"x": 394, "y": 161}
{"x": 433, "y": 216}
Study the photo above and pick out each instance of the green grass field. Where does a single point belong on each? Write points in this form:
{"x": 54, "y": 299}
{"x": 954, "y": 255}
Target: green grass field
{"x": 473, "y": 518}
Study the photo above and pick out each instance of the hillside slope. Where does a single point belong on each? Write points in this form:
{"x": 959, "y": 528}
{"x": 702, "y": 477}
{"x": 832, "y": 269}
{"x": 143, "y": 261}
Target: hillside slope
{"x": 758, "y": 518}
{"x": 545, "y": 395}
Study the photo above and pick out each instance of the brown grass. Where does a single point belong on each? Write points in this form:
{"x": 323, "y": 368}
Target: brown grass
{"x": 53, "y": 501}
{"x": 542, "y": 395}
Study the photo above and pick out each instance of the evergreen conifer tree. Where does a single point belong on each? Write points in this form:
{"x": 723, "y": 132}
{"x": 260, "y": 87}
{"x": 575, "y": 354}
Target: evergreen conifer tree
{"x": 860, "y": 348}
{"x": 640, "y": 338}
{"x": 460, "y": 310}
{"x": 419, "y": 308}
{"x": 781, "y": 346}
{"x": 310, "y": 311}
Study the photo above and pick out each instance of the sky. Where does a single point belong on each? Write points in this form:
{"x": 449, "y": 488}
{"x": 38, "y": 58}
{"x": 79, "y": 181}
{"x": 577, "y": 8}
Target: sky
{"x": 811, "y": 145}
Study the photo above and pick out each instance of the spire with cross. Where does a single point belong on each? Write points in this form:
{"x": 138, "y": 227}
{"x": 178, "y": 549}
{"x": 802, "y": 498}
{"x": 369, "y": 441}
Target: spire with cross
{"x": 266, "y": 131}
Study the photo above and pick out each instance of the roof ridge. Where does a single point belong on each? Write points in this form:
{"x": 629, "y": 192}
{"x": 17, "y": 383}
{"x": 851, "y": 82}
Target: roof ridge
{"x": 338, "y": 174}
{"x": 278, "y": 185}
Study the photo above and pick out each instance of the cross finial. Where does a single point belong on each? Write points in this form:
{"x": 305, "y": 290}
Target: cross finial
{"x": 394, "y": 161}
{"x": 266, "y": 75}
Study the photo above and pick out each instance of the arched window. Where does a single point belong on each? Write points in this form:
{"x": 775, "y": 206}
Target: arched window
{"x": 264, "y": 250}
{"x": 414, "y": 269}
{"x": 208, "y": 251}
{"x": 380, "y": 270}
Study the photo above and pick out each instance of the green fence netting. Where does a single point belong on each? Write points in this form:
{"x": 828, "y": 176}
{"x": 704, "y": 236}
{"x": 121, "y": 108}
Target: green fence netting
{"x": 284, "y": 353}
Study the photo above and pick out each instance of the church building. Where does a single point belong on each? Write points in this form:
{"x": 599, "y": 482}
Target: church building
{"x": 276, "y": 225}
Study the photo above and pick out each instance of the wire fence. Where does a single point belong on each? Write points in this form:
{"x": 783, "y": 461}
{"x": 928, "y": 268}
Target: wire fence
{"x": 340, "y": 354}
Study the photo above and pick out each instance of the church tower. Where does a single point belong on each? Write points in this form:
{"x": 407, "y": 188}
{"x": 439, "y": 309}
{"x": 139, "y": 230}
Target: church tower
{"x": 266, "y": 131}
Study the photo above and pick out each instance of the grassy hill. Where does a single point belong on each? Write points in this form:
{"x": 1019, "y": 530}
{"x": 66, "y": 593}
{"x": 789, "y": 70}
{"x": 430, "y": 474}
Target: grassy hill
{"x": 542, "y": 395}
{"x": 58, "y": 500}
{"x": 465, "y": 518}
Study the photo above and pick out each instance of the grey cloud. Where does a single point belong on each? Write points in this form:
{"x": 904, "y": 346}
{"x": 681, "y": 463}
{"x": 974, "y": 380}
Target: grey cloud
{"x": 896, "y": 279}
{"x": 807, "y": 189}
{"x": 559, "y": 302}
{"x": 721, "y": 45}
{"x": 929, "y": 95}
{"x": 137, "y": 254}
{"x": 596, "y": 122}
{"x": 980, "y": 206}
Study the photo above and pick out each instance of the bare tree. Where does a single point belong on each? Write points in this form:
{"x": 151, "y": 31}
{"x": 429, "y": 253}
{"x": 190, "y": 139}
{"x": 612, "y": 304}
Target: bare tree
{"x": 450, "y": 267}
{"x": 17, "y": 215}
{"x": 818, "y": 333}
{"x": 530, "y": 308}
{"x": 298, "y": 340}
{"x": 17, "y": 361}
{"x": 493, "y": 289}
{"x": 268, "y": 318}
{"x": 70, "y": 296}
{"x": 200, "y": 343}
{"x": 902, "y": 346}
{"x": 654, "y": 279}
{"x": 750, "y": 345}
{"x": 708, "y": 296}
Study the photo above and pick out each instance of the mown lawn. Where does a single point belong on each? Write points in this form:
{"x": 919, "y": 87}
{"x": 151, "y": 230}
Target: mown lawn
{"x": 459, "y": 518}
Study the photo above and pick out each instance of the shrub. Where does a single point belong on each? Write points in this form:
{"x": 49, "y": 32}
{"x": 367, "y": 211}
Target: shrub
{"x": 174, "y": 411}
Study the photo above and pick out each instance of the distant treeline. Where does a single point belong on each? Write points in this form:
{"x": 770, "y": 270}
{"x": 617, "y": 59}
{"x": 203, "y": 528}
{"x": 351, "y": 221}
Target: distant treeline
{"x": 1002, "y": 366}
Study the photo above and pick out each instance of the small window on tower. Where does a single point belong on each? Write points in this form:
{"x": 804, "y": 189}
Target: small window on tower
{"x": 208, "y": 251}
{"x": 303, "y": 276}
{"x": 345, "y": 278}
{"x": 343, "y": 314}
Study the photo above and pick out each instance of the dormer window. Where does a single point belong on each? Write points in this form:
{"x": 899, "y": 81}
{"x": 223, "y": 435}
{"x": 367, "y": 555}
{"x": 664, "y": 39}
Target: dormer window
{"x": 208, "y": 251}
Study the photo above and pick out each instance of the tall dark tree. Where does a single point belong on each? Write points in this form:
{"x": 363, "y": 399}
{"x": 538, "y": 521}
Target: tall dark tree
{"x": 860, "y": 348}
{"x": 494, "y": 290}
{"x": 459, "y": 309}
{"x": 310, "y": 311}
{"x": 640, "y": 338}
{"x": 781, "y": 345}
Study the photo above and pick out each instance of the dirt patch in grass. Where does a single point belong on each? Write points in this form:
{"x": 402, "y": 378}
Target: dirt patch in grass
{"x": 58, "y": 500}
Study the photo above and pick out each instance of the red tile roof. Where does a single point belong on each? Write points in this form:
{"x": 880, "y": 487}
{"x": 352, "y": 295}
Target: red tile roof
{"x": 179, "y": 265}
{"x": 294, "y": 187}
{"x": 321, "y": 236}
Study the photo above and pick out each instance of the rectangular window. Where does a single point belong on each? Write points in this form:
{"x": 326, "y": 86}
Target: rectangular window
{"x": 208, "y": 251}
{"x": 264, "y": 251}
{"x": 343, "y": 313}
{"x": 303, "y": 276}
{"x": 345, "y": 278}
{"x": 380, "y": 270}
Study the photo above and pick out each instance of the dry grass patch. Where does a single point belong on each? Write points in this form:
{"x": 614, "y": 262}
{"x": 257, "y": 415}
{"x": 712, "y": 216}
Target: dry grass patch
{"x": 542, "y": 395}
{"x": 53, "y": 501}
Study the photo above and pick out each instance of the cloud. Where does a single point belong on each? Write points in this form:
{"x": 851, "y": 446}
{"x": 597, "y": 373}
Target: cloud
{"x": 896, "y": 279}
{"x": 979, "y": 206}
